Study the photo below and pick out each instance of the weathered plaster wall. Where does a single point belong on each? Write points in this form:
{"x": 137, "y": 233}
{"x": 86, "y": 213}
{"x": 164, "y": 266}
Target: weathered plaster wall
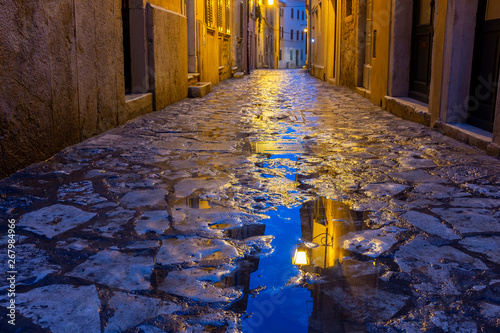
{"x": 62, "y": 76}
{"x": 349, "y": 46}
{"x": 173, "y": 5}
{"x": 167, "y": 32}
{"x": 400, "y": 52}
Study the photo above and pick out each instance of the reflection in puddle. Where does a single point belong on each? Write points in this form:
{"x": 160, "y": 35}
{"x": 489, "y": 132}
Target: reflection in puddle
{"x": 323, "y": 221}
{"x": 271, "y": 303}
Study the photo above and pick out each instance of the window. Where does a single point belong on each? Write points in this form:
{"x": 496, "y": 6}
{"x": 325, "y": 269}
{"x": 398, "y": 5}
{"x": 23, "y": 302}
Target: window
{"x": 228, "y": 14}
{"x": 291, "y": 54}
{"x": 209, "y": 13}
{"x": 241, "y": 18}
{"x": 292, "y": 12}
{"x": 302, "y": 15}
{"x": 281, "y": 54}
{"x": 297, "y": 35}
{"x": 348, "y": 8}
{"x": 291, "y": 35}
{"x": 219, "y": 14}
{"x": 302, "y": 34}
{"x": 301, "y": 54}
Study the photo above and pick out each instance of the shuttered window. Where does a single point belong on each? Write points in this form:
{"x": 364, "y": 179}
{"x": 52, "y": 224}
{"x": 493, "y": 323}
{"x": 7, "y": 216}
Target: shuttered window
{"x": 220, "y": 9}
{"x": 209, "y": 11}
{"x": 228, "y": 16}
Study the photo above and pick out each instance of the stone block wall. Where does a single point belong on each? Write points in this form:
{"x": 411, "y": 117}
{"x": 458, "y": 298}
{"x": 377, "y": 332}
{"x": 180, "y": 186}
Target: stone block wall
{"x": 62, "y": 76}
{"x": 167, "y": 33}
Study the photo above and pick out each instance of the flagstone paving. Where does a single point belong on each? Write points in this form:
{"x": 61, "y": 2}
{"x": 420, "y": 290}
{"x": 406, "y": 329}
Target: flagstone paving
{"x": 156, "y": 226}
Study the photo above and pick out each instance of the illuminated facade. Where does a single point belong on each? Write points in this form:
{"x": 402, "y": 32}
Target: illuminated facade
{"x": 89, "y": 66}
{"x": 431, "y": 61}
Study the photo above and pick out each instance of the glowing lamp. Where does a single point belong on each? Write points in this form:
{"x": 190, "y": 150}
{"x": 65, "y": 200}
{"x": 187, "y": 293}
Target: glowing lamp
{"x": 270, "y": 2}
{"x": 300, "y": 258}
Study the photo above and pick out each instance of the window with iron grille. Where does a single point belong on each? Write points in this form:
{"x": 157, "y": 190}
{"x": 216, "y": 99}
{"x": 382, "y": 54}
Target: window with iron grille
{"x": 220, "y": 9}
{"x": 209, "y": 13}
{"x": 292, "y": 12}
{"x": 291, "y": 35}
{"x": 297, "y": 35}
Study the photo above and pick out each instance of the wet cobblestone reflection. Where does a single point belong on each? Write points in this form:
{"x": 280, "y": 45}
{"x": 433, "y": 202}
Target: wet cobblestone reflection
{"x": 187, "y": 219}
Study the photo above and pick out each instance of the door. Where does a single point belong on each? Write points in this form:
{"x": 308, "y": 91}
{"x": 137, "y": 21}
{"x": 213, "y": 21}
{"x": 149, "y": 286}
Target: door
{"x": 485, "y": 68}
{"x": 420, "y": 65}
{"x": 297, "y": 58}
{"x": 367, "y": 68}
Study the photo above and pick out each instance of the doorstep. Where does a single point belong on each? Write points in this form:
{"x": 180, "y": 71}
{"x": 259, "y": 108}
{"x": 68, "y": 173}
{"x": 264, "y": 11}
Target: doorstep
{"x": 470, "y": 135}
{"x": 199, "y": 89}
{"x": 138, "y": 105}
{"x": 409, "y": 108}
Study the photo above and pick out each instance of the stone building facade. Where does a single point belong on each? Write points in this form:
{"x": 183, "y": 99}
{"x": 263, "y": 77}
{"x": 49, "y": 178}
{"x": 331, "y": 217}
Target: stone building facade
{"x": 431, "y": 61}
{"x": 72, "y": 69}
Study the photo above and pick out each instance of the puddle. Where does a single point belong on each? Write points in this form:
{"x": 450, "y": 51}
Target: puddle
{"x": 276, "y": 295}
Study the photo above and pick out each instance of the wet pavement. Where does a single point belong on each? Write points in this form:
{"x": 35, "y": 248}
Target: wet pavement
{"x": 191, "y": 219}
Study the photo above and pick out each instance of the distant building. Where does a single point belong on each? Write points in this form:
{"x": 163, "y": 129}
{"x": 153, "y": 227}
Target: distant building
{"x": 293, "y": 34}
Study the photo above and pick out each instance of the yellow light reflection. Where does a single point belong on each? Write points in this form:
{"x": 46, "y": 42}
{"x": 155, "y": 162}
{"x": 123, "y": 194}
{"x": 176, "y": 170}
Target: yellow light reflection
{"x": 324, "y": 222}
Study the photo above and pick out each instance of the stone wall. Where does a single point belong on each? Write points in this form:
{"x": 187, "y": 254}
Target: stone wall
{"x": 62, "y": 76}
{"x": 350, "y": 43}
{"x": 167, "y": 32}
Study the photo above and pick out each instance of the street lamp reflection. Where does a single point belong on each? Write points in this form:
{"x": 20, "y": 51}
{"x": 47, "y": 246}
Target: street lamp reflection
{"x": 300, "y": 258}
{"x": 323, "y": 222}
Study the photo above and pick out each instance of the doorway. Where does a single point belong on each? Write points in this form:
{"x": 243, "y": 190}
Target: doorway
{"x": 485, "y": 66}
{"x": 421, "y": 51}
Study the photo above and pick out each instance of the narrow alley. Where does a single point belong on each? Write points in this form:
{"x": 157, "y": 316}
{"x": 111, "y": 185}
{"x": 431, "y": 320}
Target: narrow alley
{"x": 276, "y": 203}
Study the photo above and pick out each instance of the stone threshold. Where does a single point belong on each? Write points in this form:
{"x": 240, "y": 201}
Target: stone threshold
{"x": 470, "y": 135}
{"x": 364, "y": 92}
{"x": 138, "y": 104}
{"x": 409, "y": 108}
{"x": 193, "y": 78}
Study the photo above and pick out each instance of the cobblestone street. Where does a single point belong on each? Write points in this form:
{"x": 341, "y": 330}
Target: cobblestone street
{"x": 187, "y": 220}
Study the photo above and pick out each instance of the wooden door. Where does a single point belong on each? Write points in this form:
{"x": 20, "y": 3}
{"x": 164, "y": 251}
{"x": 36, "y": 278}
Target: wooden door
{"x": 485, "y": 68}
{"x": 420, "y": 64}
